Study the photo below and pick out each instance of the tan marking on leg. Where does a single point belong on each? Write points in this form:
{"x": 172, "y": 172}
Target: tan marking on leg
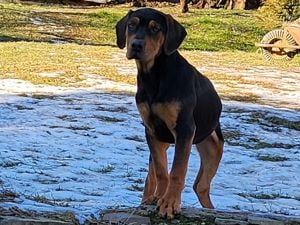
{"x": 150, "y": 185}
{"x": 170, "y": 204}
{"x": 168, "y": 112}
{"x": 210, "y": 150}
{"x": 159, "y": 170}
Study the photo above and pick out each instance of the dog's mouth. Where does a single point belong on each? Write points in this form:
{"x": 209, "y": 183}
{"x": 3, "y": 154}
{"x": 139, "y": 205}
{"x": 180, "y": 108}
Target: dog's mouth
{"x": 134, "y": 54}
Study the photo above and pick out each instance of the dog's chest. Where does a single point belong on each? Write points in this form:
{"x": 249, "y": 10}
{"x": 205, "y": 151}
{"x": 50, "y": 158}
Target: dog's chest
{"x": 160, "y": 118}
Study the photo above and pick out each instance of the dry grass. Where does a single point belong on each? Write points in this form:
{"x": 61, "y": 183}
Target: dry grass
{"x": 239, "y": 60}
{"x": 71, "y": 64}
{"x": 54, "y": 64}
{"x": 68, "y": 64}
{"x": 29, "y": 50}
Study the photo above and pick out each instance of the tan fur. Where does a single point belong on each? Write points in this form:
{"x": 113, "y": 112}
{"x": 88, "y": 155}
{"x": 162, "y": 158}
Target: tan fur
{"x": 211, "y": 150}
{"x": 168, "y": 112}
{"x": 153, "y": 44}
{"x": 158, "y": 172}
{"x": 144, "y": 111}
{"x": 153, "y": 48}
{"x": 129, "y": 37}
{"x": 150, "y": 185}
{"x": 170, "y": 204}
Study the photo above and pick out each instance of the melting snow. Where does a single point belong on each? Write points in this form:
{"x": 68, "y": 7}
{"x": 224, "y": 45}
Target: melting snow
{"x": 84, "y": 150}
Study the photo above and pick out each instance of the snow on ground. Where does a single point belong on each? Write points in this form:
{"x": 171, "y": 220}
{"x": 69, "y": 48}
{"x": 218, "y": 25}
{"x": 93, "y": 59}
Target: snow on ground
{"x": 274, "y": 86}
{"x": 84, "y": 150}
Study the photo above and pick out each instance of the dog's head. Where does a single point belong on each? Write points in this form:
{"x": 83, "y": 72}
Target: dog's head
{"x": 148, "y": 33}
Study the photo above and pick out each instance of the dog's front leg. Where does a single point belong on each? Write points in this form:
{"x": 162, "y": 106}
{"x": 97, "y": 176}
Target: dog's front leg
{"x": 157, "y": 179}
{"x": 150, "y": 184}
{"x": 170, "y": 203}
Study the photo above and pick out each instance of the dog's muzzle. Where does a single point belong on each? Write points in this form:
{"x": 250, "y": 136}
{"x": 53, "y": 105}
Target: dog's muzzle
{"x": 135, "y": 49}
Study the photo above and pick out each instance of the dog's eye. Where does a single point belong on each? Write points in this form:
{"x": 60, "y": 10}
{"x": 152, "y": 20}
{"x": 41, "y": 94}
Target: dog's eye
{"x": 154, "y": 29}
{"x": 132, "y": 26}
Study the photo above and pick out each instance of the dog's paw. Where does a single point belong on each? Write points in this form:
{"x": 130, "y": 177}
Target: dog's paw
{"x": 150, "y": 200}
{"x": 169, "y": 206}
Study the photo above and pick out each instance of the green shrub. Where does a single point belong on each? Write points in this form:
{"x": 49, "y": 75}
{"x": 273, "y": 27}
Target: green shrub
{"x": 281, "y": 9}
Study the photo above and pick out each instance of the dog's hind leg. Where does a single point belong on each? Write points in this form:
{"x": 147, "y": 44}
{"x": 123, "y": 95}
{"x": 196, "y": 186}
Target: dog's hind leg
{"x": 210, "y": 150}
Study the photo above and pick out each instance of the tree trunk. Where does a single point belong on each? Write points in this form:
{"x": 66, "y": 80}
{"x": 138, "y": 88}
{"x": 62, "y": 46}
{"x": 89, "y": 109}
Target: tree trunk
{"x": 203, "y": 4}
{"x": 228, "y": 4}
{"x": 239, "y": 4}
{"x": 235, "y": 4}
{"x": 184, "y": 6}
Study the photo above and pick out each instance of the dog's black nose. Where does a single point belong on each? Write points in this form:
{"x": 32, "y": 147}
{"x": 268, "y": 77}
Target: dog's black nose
{"x": 137, "y": 45}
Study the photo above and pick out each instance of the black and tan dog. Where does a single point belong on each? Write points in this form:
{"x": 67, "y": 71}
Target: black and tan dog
{"x": 177, "y": 104}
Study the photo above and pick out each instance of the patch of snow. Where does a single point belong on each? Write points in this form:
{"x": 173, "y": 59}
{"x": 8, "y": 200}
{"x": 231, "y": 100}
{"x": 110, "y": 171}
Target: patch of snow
{"x": 37, "y": 21}
{"x": 124, "y": 69}
{"x": 92, "y": 83}
{"x": 48, "y": 26}
{"x": 58, "y": 41}
{"x": 85, "y": 150}
{"x": 275, "y": 87}
{"x": 97, "y": 82}
{"x": 51, "y": 74}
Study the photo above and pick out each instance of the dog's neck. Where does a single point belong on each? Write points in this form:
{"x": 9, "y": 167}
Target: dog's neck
{"x": 144, "y": 67}
{"x": 150, "y": 66}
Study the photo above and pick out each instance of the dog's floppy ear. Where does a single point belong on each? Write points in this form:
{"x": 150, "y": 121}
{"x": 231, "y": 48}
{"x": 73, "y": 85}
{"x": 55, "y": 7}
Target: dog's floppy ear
{"x": 174, "y": 36}
{"x": 121, "y": 31}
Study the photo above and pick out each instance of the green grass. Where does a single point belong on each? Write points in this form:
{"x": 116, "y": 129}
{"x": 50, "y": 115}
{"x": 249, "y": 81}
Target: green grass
{"x": 81, "y": 26}
{"x": 223, "y": 30}
{"x": 213, "y": 30}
